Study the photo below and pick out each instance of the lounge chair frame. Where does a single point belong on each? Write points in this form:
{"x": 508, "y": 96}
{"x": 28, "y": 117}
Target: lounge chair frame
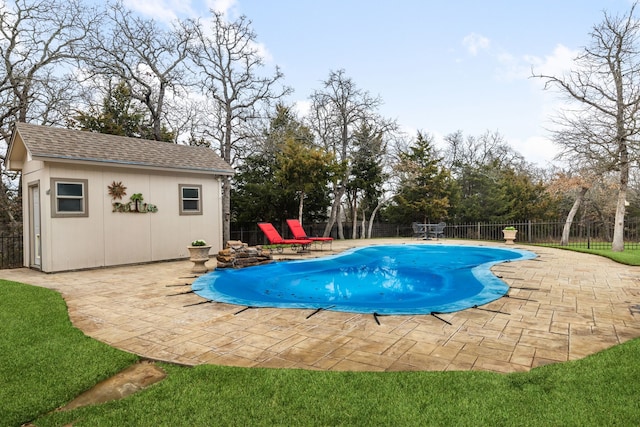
{"x": 275, "y": 239}
{"x": 298, "y": 232}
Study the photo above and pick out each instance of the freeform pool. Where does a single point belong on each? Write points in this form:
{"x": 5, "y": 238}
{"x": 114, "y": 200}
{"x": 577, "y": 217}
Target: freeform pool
{"x": 389, "y": 279}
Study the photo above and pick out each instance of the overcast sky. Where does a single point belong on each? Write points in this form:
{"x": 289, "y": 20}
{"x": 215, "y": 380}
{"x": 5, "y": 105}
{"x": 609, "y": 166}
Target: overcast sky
{"x": 439, "y": 66}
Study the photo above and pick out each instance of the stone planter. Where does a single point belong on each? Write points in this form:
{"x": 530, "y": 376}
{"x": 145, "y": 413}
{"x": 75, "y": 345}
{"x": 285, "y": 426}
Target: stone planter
{"x": 199, "y": 255}
{"x": 509, "y": 236}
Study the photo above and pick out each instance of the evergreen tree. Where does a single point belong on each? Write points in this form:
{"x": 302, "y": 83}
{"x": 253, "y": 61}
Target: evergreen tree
{"x": 269, "y": 183}
{"x": 495, "y": 192}
{"x": 425, "y": 187}
{"x": 365, "y": 185}
{"x": 303, "y": 169}
{"x": 256, "y": 196}
{"x": 118, "y": 115}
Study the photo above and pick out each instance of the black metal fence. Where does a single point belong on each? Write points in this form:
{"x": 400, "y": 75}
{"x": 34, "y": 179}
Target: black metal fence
{"x": 10, "y": 250}
{"x": 584, "y": 234}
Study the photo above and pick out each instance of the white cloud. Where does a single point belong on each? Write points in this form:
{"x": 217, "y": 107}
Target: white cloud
{"x": 557, "y": 63}
{"x": 263, "y": 52}
{"x": 160, "y": 11}
{"x": 512, "y": 68}
{"x": 226, "y": 7}
{"x": 170, "y": 10}
{"x": 536, "y": 149}
{"x": 475, "y": 42}
{"x": 302, "y": 107}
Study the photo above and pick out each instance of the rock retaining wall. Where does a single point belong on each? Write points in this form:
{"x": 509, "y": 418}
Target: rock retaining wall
{"x": 238, "y": 255}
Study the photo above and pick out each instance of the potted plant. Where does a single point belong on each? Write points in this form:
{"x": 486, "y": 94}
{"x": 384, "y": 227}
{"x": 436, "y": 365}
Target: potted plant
{"x": 509, "y": 234}
{"x": 199, "y": 255}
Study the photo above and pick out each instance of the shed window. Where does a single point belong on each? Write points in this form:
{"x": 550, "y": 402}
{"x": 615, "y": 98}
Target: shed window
{"x": 69, "y": 197}
{"x": 190, "y": 199}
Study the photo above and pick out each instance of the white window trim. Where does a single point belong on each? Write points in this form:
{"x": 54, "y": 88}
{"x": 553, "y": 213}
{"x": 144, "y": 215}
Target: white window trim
{"x": 181, "y": 199}
{"x": 54, "y": 198}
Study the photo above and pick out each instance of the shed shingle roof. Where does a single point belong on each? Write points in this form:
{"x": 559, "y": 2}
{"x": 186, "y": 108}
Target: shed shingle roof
{"x": 51, "y": 143}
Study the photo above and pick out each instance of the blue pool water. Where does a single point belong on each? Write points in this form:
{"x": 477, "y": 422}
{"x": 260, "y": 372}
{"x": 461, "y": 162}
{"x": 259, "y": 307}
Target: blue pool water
{"x": 390, "y": 279}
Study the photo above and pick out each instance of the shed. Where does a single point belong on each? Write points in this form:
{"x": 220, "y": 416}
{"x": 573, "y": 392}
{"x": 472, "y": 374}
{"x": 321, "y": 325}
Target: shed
{"x": 96, "y": 200}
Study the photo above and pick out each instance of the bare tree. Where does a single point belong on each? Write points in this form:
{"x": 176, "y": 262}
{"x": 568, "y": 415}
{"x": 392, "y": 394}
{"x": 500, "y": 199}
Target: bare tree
{"x": 229, "y": 63}
{"x": 575, "y": 183}
{"x": 337, "y": 111}
{"x": 39, "y": 42}
{"x": 605, "y": 86}
{"x": 488, "y": 148}
{"x": 148, "y": 57}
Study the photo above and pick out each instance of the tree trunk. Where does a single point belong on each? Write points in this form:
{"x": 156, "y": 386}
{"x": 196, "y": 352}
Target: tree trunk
{"x": 572, "y": 213}
{"x": 340, "y": 225}
{"x": 354, "y": 212}
{"x": 226, "y": 209}
{"x": 618, "y": 228}
{"x": 335, "y": 211}
{"x": 300, "y": 206}
{"x": 372, "y": 219}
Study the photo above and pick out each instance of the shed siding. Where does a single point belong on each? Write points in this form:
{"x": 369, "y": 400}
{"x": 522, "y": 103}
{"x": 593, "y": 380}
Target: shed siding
{"x": 107, "y": 238}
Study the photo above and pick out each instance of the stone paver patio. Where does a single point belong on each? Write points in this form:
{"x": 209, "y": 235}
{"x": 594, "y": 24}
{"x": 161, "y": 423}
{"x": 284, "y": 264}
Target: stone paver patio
{"x": 562, "y": 306}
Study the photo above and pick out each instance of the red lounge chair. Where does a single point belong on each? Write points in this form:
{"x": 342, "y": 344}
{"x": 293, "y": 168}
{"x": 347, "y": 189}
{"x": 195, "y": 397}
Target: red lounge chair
{"x": 276, "y": 239}
{"x": 299, "y": 233}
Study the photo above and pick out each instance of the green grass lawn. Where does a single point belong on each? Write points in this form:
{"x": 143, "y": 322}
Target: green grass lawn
{"x": 46, "y": 362}
{"x": 628, "y": 256}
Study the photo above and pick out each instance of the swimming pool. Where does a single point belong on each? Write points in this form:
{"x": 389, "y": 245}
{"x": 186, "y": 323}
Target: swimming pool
{"x": 385, "y": 279}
